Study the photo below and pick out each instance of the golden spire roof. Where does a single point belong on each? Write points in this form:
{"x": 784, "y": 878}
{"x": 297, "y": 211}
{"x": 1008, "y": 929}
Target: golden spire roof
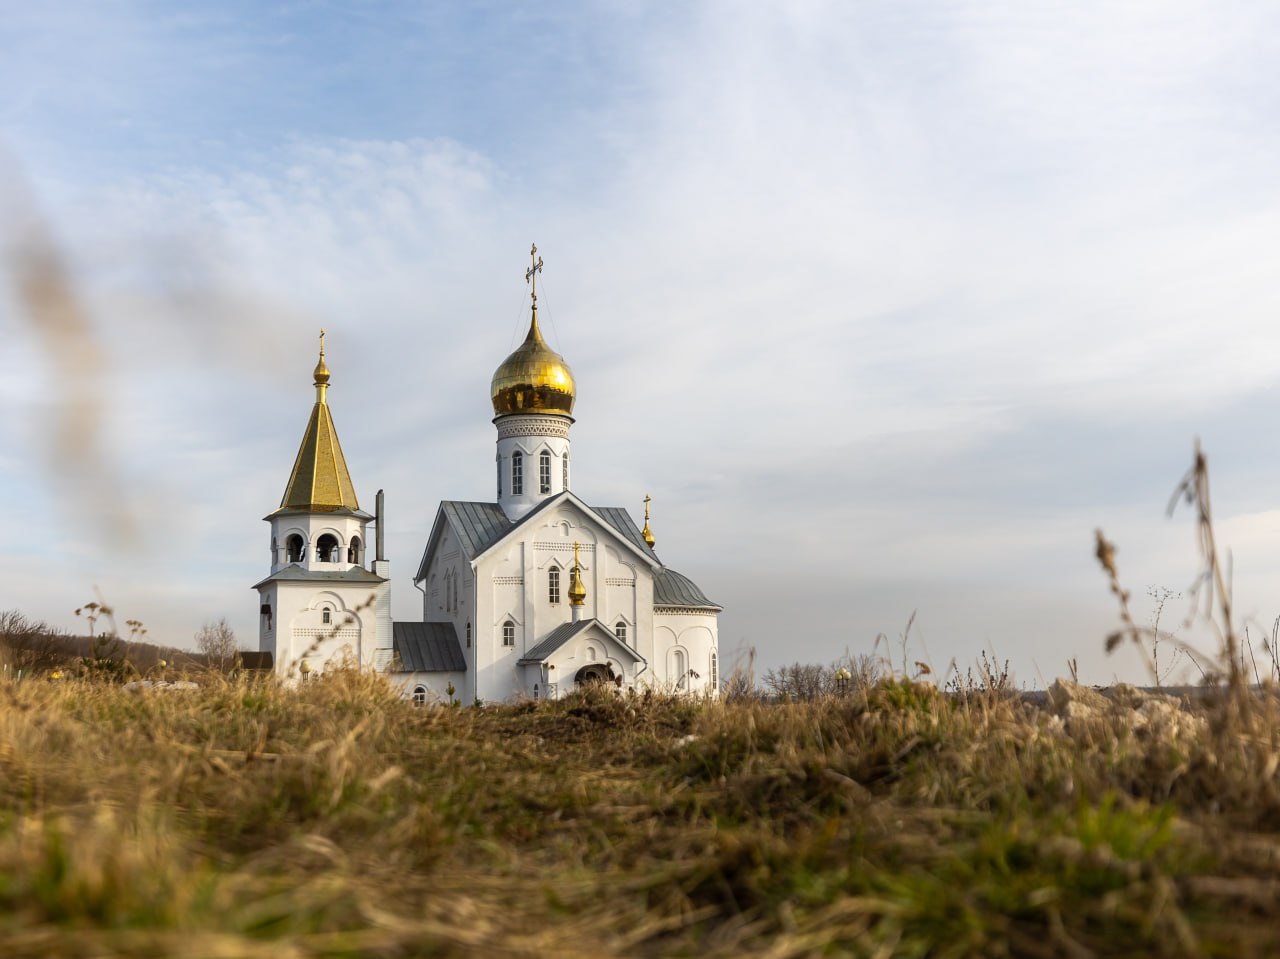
{"x": 646, "y": 532}
{"x": 577, "y": 591}
{"x": 320, "y": 480}
{"x": 535, "y": 378}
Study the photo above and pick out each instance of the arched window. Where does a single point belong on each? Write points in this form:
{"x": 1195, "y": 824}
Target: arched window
{"x": 553, "y": 584}
{"x": 275, "y": 551}
{"x": 679, "y": 671}
{"x": 498, "y": 460}
{"x": 564, "y": 471}
{"x": 327, "y": 548}
{"x": 715, "y": 672}
{"x": 353, "y": 551}
{"x": 295, "y": 546}
{"x": 620, "y": 630}
{"x": 326, "y": 616}
{"x": 508, "y": 633}
{"x": 535, "y": 690}
{"x": 544, "y": 472}
{"x": 419, "y": 695}
{"x": 517, "y": 473}
{"x": 591, "y": 654}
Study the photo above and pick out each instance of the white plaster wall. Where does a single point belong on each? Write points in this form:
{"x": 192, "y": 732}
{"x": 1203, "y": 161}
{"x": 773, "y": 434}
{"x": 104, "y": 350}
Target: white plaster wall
{"x": 308, "y": 637}
{"x": 437, "y": 685}
{"x": 696, "y": 634}
{"x": 619, "y": 577}
{"x": 448, "y": 565}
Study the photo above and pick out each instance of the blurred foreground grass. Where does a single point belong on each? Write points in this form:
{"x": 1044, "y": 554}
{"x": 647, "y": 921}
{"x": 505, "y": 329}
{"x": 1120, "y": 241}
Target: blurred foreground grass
{"x": 334, "y": 819}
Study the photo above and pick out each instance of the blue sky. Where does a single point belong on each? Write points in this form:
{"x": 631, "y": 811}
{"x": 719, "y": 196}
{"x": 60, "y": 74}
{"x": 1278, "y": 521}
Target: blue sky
{"x": 888, "y": 305}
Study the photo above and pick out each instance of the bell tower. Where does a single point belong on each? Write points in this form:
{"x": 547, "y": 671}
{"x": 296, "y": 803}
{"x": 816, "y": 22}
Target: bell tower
{"x": 323, "y": 601}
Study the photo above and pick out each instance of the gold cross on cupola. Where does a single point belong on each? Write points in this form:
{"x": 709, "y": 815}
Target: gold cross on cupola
{"x": 531, "y": 274}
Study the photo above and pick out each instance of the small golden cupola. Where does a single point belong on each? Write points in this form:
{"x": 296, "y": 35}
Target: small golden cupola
{"x": 320, "y": 481}
{"x": 535, "y": 378}
{"x": 647, "y": 533}
{"x": 577, "y": 591}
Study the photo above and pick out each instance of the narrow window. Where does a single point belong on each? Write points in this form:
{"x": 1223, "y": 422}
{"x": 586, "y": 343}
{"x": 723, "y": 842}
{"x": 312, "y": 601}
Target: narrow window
{"x": 508, "y": 633}
{"x": 553, "y": 584}
{"x": 419, "y": 695}
{"x": 677, "y": 662}
{"x": 353, "y": 551}
{"x": 564, "y": 471}
{"x": 544, "y": 472}
{"x": 517, "y": 473}
{"x": 535, "y": 690}
{"x": 715, "y": 672}
{"x": 275, "y": 551}
{"x": 326, "y": 616}
{"x": 620, "y": 631}
{"x": 468, "y": 635}
{"x": 295, "y": 546}
{"x": 498, "y": 460}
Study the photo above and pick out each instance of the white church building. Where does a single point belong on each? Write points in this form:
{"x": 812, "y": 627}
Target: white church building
{"x": 525, "y": 596}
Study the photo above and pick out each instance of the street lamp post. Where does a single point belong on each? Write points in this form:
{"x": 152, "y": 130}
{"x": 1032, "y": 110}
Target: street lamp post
{"x": 842, "y": 680}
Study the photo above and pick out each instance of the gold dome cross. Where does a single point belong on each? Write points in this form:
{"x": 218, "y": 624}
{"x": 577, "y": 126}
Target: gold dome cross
{"x": 531, "y": 274}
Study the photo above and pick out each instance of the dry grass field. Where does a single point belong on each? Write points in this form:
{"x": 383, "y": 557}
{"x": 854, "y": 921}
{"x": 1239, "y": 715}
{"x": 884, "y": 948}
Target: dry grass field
{"x": 246, "y": 817}
{"x": 334, "y": 819}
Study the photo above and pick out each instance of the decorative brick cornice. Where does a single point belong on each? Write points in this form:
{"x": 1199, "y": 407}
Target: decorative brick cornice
{"x": 509, "y": 426}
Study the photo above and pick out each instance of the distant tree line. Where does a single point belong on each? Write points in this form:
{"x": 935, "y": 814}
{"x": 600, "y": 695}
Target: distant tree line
{"x": 805, "y": 682}
{"x": 31, "y": 647}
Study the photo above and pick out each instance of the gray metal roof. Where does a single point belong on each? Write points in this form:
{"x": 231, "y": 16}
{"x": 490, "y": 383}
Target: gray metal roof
{"x": 675, "y": 589}
{"x": 294, "y": 573}
{"x": 478, "y": 525}
{"x": 620, "y": 519}
{"x": 565, "y": 632}
{"x": 427, "y": 648}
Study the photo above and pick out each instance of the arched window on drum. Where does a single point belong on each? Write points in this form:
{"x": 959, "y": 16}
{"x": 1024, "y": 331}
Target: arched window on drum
{"x": 544, "y": 472}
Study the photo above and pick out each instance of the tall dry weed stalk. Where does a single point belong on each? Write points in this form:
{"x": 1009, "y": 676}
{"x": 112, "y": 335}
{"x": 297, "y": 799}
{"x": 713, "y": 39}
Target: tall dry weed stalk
{"x": 49, "y": 299}
{"x": 1210, "y": 594}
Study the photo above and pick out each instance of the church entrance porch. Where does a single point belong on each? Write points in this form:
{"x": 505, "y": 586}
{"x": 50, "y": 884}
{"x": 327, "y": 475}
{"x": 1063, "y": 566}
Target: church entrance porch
{"x": 597, "y": 674}
{"x": 582, "y": 653}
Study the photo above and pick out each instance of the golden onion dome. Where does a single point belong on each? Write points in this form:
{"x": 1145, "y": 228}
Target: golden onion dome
{"x": 322, "y": 369}
{"x": 577, "y": 590}
{"x": 533, "y": 379}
